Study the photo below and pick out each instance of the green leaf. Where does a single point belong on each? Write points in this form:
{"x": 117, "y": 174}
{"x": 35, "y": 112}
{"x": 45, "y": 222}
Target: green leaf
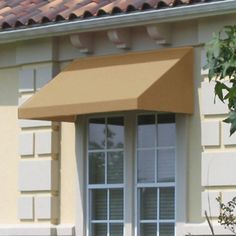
{"x": 219, "y": 87}
{"x": 221, "y": 65}
{"x": 231, "y": 119}
{"x": 233, "y": 127}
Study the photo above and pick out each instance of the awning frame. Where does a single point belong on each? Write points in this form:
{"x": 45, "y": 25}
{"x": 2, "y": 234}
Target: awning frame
{"x": 153, "y": 81}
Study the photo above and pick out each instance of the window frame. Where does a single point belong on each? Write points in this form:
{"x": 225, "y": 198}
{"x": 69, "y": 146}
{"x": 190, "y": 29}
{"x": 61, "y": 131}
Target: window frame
{"x": 130, "y": 201}
{"x": 104, "y": 186}
{"x": 155, "y": 185}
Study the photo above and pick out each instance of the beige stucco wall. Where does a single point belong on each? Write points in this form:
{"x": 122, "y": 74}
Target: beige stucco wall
{"x": 9, "y": 131}
{"x": 194, "y": 149}
{"x": 188, "y": 33}
{"x": 68, "y": 174}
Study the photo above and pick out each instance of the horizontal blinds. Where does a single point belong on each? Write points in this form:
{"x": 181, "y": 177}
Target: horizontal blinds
{"x": 99, "y": 204}
{"x": 167, "y": 203}
{"x": 99, "y": 229}
{"x": 148, "y": 230}
{"x": 166, "y": 229}
{"x": 116, "y": 204}
{"x": 148, "y": 203}
{"x": 116, "y": 229}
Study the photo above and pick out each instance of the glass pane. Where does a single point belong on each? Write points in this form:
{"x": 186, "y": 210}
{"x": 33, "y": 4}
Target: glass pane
{"x": 97, "y": 131}
{"x": 148, "y": 229}
{"x": 116, "y": 229}
{"x": 116, "y": 204}
{"x": 96, "y": 168}
{"x": 166, "y": 130}
{"x": 166, "y": 165}
{"x": 114, "y": 167}
{"x": 115, "y": 132}
{"x": 148, "y": 204}
{"x": 146, "y": 166}
{"x": 146, "y": 131}
{"x": 99, "y": 230}
{"x": 99, "y": 204}
{"x": 167, "y": 229}
{"x": 167, "y": 204}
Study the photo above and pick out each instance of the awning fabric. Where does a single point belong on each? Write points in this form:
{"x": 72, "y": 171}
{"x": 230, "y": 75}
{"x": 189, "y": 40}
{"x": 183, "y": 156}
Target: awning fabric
{"x": 160, "y": 81}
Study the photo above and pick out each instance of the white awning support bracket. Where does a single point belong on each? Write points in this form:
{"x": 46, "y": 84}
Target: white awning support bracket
{"x": 84, "y": 42}
{"x": 120, "y": 37}
{"x": 160, "y": 33}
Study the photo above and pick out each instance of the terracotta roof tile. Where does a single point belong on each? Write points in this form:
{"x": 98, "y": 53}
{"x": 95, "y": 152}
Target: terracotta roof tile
{"x": 21, "y": 13}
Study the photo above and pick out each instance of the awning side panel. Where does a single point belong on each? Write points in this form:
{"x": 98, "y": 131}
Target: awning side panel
{"x": 174, "y": 91}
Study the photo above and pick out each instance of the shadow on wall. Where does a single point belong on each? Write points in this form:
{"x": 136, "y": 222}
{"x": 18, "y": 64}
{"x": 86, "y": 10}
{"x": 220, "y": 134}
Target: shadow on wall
{"x": 8, "y": 87}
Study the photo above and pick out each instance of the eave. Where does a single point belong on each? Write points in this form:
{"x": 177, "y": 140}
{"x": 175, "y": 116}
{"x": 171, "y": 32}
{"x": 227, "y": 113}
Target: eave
{"x": 120, "y": 21}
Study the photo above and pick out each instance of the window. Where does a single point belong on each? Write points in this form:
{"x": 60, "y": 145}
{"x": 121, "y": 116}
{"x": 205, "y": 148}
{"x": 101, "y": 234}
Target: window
{"x": 156, "y": 175}
{"x": 153, "y": 175}
{"x": 106, "y": 176}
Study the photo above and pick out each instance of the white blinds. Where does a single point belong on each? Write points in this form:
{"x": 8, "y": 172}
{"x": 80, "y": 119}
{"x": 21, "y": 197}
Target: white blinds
{"x": 148, "y": 229}
{"x": 167, "y": 229}
{"x": 148, "y": 205}
{"x": 167, "y": 203}
{"x": 116, "y": 204}
{"x": 99, "y": 204}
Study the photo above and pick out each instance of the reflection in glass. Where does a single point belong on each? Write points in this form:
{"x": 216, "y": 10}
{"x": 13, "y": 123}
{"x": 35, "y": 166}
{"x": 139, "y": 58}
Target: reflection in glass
{"x": 115, "y": 132}
{"x": 114, "y": 167}
{"x": 147, "y": 229}
{"x": 116, "y": 229}
{"x": 146, "y": 166}
{"x": 167, "y": 229}
{"x": 97, "y": 132}
{"x": 99, "y": 204}
{"x": 97, "y": 168}
{"x": 166, "y": 165}
{"x": 167, "y": 203}
{"x": 148, "y": 203}
{"x": 146, "y": 131}
{"x": 166, "y": 130}
{"x": 116, "y": 204}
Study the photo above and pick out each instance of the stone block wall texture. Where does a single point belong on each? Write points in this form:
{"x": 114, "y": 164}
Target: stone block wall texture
{"x": 39, "y": 152}
{"x": 219, "y": 151}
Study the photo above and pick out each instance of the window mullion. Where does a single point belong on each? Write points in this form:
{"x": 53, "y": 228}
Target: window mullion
{"x": 106, "y": 150}
{"x": 158, "y": 189}
{"x": 106, "y": 170}
{"x": 129, "y": 154}
{"x": 138, "y": 211}
{"x": 108, "y": 212}
{"x": 89, "y": 211}
{"x": 156, "y": 161}
{"x": 158, "y": 211}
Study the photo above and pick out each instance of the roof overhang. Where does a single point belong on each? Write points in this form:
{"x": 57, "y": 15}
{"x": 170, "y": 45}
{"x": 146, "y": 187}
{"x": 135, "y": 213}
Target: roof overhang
{"x": 168, "y": 15}
{"x": 160, "y": 81}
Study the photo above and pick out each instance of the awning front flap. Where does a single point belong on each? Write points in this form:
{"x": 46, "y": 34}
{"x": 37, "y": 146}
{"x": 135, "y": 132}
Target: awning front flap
{"x": 160, "y": 81}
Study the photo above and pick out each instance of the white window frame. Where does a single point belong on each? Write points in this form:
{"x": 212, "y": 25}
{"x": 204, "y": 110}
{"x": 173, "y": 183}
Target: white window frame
{"x": 105, "y": 186}
{"x": 130, "y": 199}
{"x": 155, "y": 185}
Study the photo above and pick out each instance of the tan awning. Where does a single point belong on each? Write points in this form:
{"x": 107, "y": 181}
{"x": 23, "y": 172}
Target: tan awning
{"x": 160, "y": 81}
